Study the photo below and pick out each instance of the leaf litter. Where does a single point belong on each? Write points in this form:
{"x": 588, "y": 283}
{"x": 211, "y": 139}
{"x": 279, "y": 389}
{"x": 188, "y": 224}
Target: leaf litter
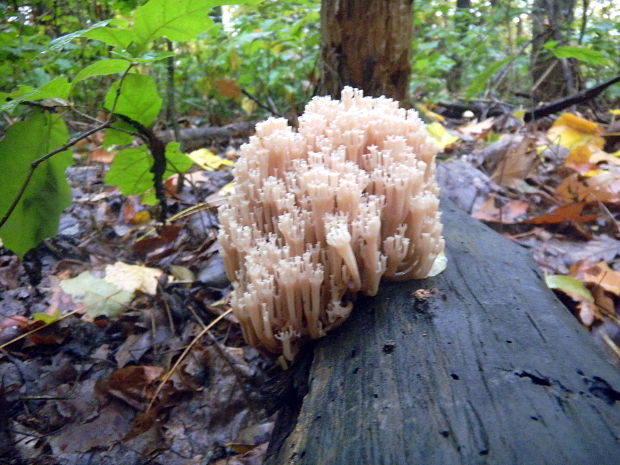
{"x": 109, "y": 368}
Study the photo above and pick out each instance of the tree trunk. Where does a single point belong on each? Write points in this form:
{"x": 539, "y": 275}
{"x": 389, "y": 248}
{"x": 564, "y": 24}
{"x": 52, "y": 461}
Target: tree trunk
{"x": 367, "y": 45}
{"x": 552, "y": 78}
{"x": 461, "y": 25}
{"x": 479, "y": 365}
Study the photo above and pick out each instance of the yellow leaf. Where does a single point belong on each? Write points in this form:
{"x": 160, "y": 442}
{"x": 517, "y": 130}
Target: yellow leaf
{"x": 615, "y": 111}
{"x": 227, "y": 189}
{"x": 133, "y": 278}
{"x": 570, "y": 131}
{"x": 441, "y": 136}
{"x": 248, "y": 105}
{"x": 207, "y": 160}
{"x": 141, "y": 217}
{"x": 580, "y": 154}
{"x": 592, "y": 173}
{"x": 431, "y": 114}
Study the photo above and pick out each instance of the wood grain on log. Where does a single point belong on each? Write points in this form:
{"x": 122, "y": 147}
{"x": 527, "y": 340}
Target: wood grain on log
{"x": 489, "y": 367}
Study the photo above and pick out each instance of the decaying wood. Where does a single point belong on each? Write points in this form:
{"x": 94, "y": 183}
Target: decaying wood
{"x": 481, "y": 364}
{"x": 196, "y": 138}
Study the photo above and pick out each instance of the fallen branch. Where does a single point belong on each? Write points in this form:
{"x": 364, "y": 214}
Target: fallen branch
{"x": 199, "y": 137}
{"x": 561, "y": 104}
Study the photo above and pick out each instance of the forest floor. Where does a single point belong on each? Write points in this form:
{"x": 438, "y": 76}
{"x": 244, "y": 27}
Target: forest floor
{"x": 91, "y": 376}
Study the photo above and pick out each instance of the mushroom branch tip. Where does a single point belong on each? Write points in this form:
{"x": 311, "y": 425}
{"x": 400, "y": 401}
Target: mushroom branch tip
{"x": 320, "y": 214}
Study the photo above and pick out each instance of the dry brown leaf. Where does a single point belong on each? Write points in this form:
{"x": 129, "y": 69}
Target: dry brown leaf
{"x": 228, "y": 88}
{"x": 102, "y": 155}
{"x": 516, "y": 165}
{"x": 133, "y": 384}
{"x": 570, "y": 212}
{"x": 477, "y": 129}
{"x": 602, "y": 187}
{"x": 599, "y": 274}
{"x": 508, "y": 214}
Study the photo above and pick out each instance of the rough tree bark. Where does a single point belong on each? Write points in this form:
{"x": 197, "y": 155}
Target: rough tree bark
{"x": 479, "y": 365}
{"x": 366, "y": 44}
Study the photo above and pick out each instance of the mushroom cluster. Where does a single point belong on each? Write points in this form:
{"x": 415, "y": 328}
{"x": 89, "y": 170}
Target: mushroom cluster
{"x": 320, "y": 214}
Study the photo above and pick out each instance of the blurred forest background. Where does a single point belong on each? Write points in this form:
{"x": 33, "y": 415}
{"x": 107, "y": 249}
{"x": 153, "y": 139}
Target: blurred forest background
{"x": 263, "y": 59}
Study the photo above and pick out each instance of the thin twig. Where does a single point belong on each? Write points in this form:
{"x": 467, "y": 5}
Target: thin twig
{"x": 261, "y": 104}
{"x": 34, "y": 165}
{"x": 22, "y": 336}
{"x": 183, "y": 355}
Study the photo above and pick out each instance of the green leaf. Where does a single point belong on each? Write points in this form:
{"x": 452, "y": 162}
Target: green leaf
{"x": 101, "y": 68}
{"x": 117, "y": 38}
{"x": 149, "y": 57}
{"x": 480, "y": 81}
{"x": 60, "y": 42}
{"x": 131, "y": 171}
{"x": 584, "y": 54}
{"x": 138, "y": 100}
{"x": 45, "y": 318}
{"x": 58, "y": 88}
{"x": 569, "y": 285}
{"x": 176, "y": 161}
{"x": 550, "y": 44}
{"x": 114, "y": 137}
{"x": 131, "y": 168}
{"x": 100, "y": 297}
{"x": 176, "y": 20}
{"x": 48, "y": 194}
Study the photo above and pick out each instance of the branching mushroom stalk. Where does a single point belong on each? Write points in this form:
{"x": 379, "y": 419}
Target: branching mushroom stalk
{"x": 324, "y": 213}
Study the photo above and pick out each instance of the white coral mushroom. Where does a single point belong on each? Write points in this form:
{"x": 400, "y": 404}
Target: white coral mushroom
{"x": 323, "y": 213}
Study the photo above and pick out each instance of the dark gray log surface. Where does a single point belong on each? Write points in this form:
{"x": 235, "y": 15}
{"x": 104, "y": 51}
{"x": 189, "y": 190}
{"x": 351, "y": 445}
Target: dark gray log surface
{"x": 492, "y": 369}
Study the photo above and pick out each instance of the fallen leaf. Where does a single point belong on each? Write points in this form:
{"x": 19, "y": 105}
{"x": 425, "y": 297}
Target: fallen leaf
{"x": 133, "y": 278}
{"x": 442, "y": 137}
{"x": 570, "y": 286}
{"x": 426, "y": 111}
{"x": 600, "y": 157}
{"x": 507, "y": 214}
{"x": 579, "y": 159}
{"x": 570, "y": 212}
{"x": 599, "y": 274}
{"x": 516, "y": 165}
{"x": 167, "y": 235}
{"x": 98, "y": 296}
{"x": 102, "y": 155}
{"x": 477, "y": 129}
{"x": 207, "y": 160}
{"x": 602, "y": 187}
{"x": 134, "y": 384}
{"x": 571, "y": 131}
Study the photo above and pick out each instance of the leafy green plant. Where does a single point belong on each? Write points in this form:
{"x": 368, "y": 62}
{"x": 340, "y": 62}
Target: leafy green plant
{"x": 35, "y": 151}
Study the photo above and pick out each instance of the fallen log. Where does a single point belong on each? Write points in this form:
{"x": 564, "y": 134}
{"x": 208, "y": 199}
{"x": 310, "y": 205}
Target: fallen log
{"x": 481, "y": 364}
{"x": 195, "y": 138}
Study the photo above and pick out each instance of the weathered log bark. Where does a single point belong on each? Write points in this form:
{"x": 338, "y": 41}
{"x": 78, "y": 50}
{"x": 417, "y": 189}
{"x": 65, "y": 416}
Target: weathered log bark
{"x": 366, "y": 45}
{"x": 200, "y": 137}
{"x": 490, "y": 368}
